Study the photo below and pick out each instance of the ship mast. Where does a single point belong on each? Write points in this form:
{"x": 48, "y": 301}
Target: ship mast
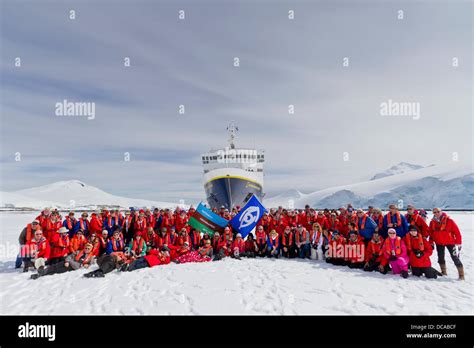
{"x": 232, "y": 130}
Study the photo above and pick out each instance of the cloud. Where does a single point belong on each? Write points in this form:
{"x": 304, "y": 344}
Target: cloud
{"x": 191, "y": 63}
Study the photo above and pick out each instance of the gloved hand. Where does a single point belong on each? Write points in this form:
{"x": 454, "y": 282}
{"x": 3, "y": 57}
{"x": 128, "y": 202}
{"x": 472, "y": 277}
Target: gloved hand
{"x": 419, "y": 253}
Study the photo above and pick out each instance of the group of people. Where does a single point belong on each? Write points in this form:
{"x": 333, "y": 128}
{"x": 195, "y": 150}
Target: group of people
{"x": 369, "y": 240}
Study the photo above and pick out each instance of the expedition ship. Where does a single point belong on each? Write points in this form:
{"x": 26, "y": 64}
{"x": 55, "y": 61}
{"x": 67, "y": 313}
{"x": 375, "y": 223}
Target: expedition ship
{"x": 232, "y": 175}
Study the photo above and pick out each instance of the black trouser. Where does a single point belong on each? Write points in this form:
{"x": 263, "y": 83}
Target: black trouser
{"x": 248, "y": 254}
{"x": 336, "y": 261}
{"x": 55, "y": 260}
{"x": 290, "y": 252}
{"x": 429, "y": 272}
{"x": 371, "y": 266}
{"x": 374, "y": 266}
{"x": 137, "y": 264}
{"x": 451, "y": 248}
{"x": 324, "y": 248}
{"x": 356, "y": 265}
{"x": 106, "y": 263}
{"x": 58, "y": 267}
{"x": 262, "y": 250}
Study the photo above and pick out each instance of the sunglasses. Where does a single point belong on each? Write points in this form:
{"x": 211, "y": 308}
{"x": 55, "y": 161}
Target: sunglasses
{"x": 392, "y": 233}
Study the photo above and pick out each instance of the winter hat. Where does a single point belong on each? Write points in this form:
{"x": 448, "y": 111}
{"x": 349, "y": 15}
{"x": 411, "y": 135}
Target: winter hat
{"x": 413, "y": 228}
{"x": 352, "y": 232}
{"x": 336, "y": 232}
{"x": 217, "y": 234}
{"x": 35, "y": 222}
{"x": 391, "y": 230}
{"x": 138, "y": 233}
{"x": 238, "y": 235}
{"x": 63, "y": 230}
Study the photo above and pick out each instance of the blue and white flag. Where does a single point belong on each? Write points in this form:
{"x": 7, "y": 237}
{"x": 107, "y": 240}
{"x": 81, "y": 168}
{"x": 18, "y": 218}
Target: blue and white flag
{"x": 246, "y": 220}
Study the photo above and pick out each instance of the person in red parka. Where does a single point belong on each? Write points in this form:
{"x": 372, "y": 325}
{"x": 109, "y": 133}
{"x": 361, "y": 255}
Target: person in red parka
{"x": 265, "y": 222}
{"x": 195, "y": 238}
{"x": 261, "y": 240}
{"x": 218, "y": 243}
{"x": 51, "y": 226}
{"x": 154, "y": 258}
{"x": 140, "y": 224}
{"x": 43, "y": 218}
{"x": 414, "y": 219}
{"x": 77, "y": 242}
{"x": 374, "y": 254}
{"x": 36, "y": 251}
{"x": 150, "y": 238}
{"x": 181, "y": 220}
{"x": 377, "y": 216}
{"x": 251, "y": 247}
{"x": 162, "y": 239}
{"x": 59, "y": 246}
{"x": 179, "y": 250}
{"x": 322, "y": 221}
{"x": 238, "y": 247}
{"x": 445, "y": 234}
{"x": 355, "y": 251}
{"x": 419, "y": 251}
{"x": 336, "y": 245}
{"x": 96, "y": 224}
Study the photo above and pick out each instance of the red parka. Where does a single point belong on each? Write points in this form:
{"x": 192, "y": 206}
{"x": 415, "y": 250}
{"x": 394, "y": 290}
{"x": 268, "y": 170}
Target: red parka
{"x": 445, "y": 231}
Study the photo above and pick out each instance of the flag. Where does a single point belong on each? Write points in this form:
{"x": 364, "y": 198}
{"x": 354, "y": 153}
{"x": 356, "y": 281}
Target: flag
{"x": 206, "y": 221}
{"x": 246, "y": 220}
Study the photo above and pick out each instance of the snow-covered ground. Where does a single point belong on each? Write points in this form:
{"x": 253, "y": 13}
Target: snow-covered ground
{"x": 260, "y": 286}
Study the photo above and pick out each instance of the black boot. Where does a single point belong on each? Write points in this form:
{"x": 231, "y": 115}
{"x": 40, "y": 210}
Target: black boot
{"x": 404, "y": 274}
{"x": 34, "y": 276}
{"x": 98, "y": 274}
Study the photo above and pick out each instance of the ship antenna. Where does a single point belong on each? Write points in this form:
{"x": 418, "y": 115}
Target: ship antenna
{"x": 232, "y": 130}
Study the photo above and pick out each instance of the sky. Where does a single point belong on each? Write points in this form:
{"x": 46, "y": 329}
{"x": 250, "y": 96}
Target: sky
{"x": 336, "y": 135}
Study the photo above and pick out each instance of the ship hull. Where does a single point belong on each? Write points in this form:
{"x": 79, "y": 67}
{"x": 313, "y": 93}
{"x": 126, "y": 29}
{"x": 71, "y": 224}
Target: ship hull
{"x": 231, "y": 191}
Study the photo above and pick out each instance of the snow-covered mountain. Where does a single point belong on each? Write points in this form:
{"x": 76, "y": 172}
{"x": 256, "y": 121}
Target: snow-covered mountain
{"x": 400, "y": 168}
{"x": 446, "y": 186}
{"x": 71, "y": 193}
